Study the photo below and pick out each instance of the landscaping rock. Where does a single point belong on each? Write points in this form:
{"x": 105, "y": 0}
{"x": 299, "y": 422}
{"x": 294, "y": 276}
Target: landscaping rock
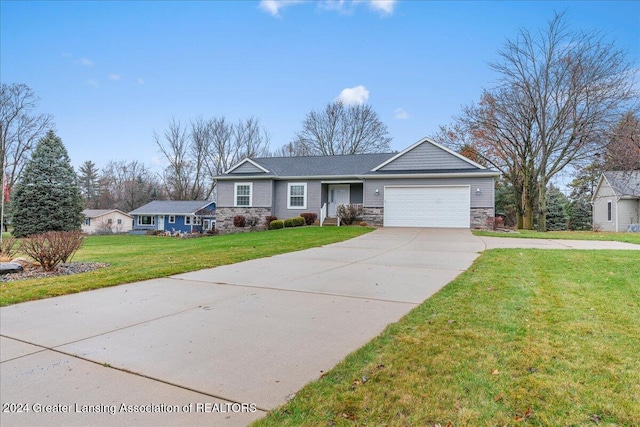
{"x": 10, "y": 267}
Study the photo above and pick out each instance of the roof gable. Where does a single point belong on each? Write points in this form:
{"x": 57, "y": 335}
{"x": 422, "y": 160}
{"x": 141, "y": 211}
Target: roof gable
{"x": 172, "y": 207}
{"x": 426, "y": 155}
{"x": 247, "y": 166}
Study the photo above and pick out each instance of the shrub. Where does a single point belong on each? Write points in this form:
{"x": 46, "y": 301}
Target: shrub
{"x": 252, "y": 221}
{"x": 270, "y": 218}
{"x": 288, "y": 222}
{"x": 298, "y": 221}
{"x": 363, "y": 224}
{"x": 309, "y": 217}
{"x": 239, "y": 221}
{"x": 9, "y": 249}
{"x": 52, "y": 248}
{"x": 276, "y": 224}
{"x": 348, "y": 213}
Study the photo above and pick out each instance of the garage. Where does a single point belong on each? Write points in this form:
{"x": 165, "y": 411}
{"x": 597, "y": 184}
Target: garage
{"x": 446, "y": 206}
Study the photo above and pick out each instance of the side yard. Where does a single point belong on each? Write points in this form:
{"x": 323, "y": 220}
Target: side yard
{"x": 524, "y": 337}
{"x": 568, "y": 235}
{"x": 134, "y": 258}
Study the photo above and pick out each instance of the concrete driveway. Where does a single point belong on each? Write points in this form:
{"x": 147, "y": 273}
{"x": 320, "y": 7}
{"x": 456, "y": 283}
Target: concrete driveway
{"x": 220, "y": 346}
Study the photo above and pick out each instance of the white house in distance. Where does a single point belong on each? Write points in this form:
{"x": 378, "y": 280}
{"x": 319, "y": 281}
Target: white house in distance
{"x": 106, "y": 221}
{"x": 616, "y": 201}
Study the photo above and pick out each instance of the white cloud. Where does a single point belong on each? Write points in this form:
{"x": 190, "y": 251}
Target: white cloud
{"x": 115, "y": 77}
{"x": 384, "y": 7}
{"x": 273, "y": 7}
{"x": 85, "y": 62}
{"x": 140, "y": 81}
{"x": 354, "y": 95}
{"x": 401, "y": 114}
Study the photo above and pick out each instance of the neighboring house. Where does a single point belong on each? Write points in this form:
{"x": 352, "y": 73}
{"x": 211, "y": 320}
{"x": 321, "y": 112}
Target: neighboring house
{"x": 426, "y": 185}
{"x": 106, "y": 221}
{"x": 616, "y": 201}
{"x": 175, "y": 216}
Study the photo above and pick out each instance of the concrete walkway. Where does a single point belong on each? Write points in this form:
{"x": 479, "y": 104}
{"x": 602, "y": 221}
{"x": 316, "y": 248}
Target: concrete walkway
{"x": 222, "y": 346}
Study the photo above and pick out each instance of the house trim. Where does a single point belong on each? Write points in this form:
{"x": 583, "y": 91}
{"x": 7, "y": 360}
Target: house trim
{"x": 304, "y": 195}
{"x": 235, "y": 194}
{"x": 356, "y": 179}
{"x": 247, "y": 160}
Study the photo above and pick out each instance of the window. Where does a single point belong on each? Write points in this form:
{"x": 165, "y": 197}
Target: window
{"x": 172, "y": 219}
{"x": 243, "y": 194}
{"x": 119, "y": 221}
{"x": 297, "y": 195}
{"x": 187, "y": 220}
{"x": 609, "y": 210}
{"x": 87, "y": 221}
{"x": 146, "y": 220}
{"x": 110, "y": 221}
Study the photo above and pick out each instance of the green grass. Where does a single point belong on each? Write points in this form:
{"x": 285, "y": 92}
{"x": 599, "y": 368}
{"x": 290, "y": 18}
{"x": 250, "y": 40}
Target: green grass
{"x": 567, "y": 235}
{"x": 524, "y": 337}
{"x": 134, "y": 258}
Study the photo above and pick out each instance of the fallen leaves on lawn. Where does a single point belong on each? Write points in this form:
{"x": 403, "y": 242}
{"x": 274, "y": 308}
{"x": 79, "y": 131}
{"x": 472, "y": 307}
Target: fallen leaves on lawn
{"x": 528, "y": 414}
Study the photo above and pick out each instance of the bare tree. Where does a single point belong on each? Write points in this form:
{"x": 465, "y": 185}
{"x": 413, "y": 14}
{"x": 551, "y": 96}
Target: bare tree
{"x": 129, "y": 185}
{"x": 178, "y": 175}
{"x": 221, "y": 157}
{"x": 342, "y": 129}
{"x": 623, "y": 151}
{"x": 559, "y": 92}
{"x": 249, "y": 140}
{"x": 205, "y": 149}
{"x": 20, "y": 128}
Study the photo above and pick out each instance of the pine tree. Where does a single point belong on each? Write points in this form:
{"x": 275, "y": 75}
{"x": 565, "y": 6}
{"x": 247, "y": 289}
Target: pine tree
{"x": 47, "y": 197}
{"x": 88, "y": 177}
{"x": 557, "y": 217}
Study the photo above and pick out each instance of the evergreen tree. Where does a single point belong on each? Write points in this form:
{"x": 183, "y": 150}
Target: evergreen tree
{"x": 557, "y": 202}
{"x": 47, "y": 197}
{"x": 89, "y": 184}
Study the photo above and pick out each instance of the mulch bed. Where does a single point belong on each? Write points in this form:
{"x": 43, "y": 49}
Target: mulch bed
{"x": 61, "y": 270}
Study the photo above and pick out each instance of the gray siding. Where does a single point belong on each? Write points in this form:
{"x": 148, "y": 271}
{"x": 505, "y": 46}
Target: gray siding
{"x": 628, "y": 213}
{"x": 427, "y": 157}
{"x": 261, "y": 193}
{"x": 247, "y": 167}
{"x": 280, "y": 199}
{"x": 605, "y": 195}
{"x": 484, "y": 200}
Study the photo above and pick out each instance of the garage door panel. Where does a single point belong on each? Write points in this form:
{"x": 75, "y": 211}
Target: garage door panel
{"x": 442, "y": 206}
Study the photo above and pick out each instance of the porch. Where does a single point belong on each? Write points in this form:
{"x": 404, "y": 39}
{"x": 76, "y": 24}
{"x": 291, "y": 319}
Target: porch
{"x": 334, "y": 194}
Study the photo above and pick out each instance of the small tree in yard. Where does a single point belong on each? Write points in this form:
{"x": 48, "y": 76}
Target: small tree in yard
{"x": 52, "y": 248}
{"x": 47, "y": 198}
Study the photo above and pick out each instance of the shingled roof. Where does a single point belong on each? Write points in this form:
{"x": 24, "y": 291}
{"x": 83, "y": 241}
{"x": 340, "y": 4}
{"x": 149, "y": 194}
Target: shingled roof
{"x": 355, "y": 164}
{"x": 171, "y": 207}
{"x": 624, "y": 183}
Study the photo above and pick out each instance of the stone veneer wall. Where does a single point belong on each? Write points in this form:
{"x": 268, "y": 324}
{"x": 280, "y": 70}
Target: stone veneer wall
{"x": 480, "y": 216}
{"x": 224, "y": 218}
{"x": 373, "y": 216}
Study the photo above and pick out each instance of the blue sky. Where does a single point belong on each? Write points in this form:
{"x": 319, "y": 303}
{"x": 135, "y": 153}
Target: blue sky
{"x": 112, "y": 72}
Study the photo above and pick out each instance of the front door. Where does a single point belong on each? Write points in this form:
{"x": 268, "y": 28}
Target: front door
{"x": 161, "y": 222}
{"x": 338, "y": 195}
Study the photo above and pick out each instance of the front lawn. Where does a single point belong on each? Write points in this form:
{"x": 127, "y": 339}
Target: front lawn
{"x": 134, "y": 258}
{"x": 566, "y": 235}
{"x": 524, "y": 337}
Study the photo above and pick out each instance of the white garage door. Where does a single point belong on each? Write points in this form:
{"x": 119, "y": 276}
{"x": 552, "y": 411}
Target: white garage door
{"x": 438, "y": 206}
